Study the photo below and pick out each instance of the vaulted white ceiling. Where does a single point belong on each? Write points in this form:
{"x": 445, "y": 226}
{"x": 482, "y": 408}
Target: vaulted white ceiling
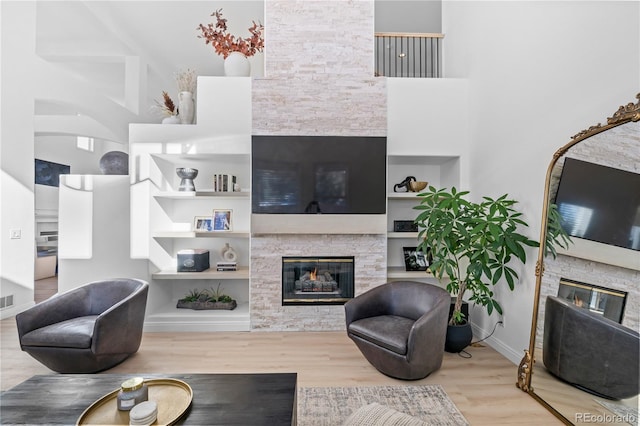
{"x": 126, "y": 53}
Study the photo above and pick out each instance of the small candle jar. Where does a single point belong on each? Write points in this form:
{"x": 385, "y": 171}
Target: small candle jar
{"x": 132, "y": 392}
{"x": 143, "y": 414}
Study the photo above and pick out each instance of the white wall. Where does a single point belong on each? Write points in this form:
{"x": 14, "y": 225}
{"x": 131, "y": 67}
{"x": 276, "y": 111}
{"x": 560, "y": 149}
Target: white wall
{"x": 408, "y": 16}
{"x": 95, "y": 230}
{"x": 16, "y": 154}
{"x": 424, "y": 118}
{"x": 539, "y": 72}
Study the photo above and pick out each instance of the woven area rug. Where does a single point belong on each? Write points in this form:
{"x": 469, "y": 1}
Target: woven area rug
{"x": 623, "y": 413}
{"x": 331, "y": 406}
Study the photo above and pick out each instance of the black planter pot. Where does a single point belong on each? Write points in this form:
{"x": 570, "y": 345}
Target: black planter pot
{"x": 458, "y": 337}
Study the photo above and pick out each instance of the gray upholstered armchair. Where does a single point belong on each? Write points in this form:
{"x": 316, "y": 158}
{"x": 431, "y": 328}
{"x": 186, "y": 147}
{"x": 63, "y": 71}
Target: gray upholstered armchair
{"x": 590, "y": 351}
{"x": 87, "y": 329}
{"x": 400, "y": 327}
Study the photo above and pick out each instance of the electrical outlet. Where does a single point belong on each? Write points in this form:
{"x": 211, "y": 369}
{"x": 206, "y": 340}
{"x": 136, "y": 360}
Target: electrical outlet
{"x": 501, "y": 321}
{"x": 15, "y": 234}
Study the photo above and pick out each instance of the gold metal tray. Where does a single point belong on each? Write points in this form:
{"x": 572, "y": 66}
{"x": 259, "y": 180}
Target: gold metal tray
{"x": 172, "y": 396}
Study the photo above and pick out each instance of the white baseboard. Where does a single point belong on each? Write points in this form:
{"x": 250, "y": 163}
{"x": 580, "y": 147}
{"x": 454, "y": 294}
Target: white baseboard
{"x": 12, "y": 311}
{"x": 497, "y": 344}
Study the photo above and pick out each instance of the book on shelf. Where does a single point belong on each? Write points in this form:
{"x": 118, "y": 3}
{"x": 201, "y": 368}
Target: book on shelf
{"x": 224, "y": 182}
{"x": 226, "y": 266}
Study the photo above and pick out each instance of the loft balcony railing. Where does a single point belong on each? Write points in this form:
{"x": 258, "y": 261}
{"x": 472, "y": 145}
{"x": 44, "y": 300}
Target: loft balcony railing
{"x": 408, "y": 54}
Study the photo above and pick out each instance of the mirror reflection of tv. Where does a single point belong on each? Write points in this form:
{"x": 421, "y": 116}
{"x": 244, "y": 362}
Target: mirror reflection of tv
{"x": 600, "y": 203}
{"x": 48, "y": 173}
{"x": 318, "y": 174}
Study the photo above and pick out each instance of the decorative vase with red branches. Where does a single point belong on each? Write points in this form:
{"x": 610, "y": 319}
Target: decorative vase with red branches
{"x": 226, "y": 44}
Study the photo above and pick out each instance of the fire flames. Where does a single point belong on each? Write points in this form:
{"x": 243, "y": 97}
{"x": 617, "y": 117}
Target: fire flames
{"x": 313, "y": 274}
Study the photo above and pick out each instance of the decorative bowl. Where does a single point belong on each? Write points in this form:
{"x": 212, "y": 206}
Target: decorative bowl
{"x": 187, "y": 175}
{"x": 417, "y": 186}
{"x": 115, "y": 163}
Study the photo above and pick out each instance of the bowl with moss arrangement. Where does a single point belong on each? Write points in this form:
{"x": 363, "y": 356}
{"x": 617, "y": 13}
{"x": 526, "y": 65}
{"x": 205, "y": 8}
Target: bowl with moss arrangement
{"x": 207, "y": 299}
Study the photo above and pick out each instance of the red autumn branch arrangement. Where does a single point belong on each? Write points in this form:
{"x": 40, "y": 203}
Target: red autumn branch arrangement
{"x": 224, "y": 43}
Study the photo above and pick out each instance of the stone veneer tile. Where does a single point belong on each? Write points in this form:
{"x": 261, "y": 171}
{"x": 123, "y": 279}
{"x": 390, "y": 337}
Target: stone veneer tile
{"x": 319, "y": 69}
{"x": 267, "y": 251}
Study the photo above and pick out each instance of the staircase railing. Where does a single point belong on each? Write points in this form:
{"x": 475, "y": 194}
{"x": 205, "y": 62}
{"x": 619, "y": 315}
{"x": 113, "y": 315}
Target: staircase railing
{"x": 408, "y": 54}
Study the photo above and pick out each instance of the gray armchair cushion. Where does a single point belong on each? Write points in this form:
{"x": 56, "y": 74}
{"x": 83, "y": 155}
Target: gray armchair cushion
{"x": 88, "y": 329}
{"x": 590, "y": 351}
{"x": 387, "y": 331}
{"x": 73, "y": 333}
{"x": 400, "y": 327}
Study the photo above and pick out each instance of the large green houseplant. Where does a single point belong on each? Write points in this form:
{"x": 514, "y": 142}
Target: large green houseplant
{"x": 471, "y": 244}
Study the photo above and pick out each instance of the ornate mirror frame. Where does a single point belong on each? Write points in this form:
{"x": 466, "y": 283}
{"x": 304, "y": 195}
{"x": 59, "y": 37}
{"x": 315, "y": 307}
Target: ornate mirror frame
{"x": 624, "y": 114}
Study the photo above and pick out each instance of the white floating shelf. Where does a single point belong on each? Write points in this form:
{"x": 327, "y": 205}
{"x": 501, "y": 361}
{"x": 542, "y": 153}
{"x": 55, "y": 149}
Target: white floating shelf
{"x": 408, "y": 235}
{"x": 175, "y": 195}
{"x": 401, "y": 272}
{"x": 193, "y": 234}
{"x": 403, "y": 196}
{"x": 210, "y": 274}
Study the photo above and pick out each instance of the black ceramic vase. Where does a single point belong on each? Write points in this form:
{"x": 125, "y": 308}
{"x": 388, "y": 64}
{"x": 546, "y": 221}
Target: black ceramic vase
{"x": 458, "y": 337}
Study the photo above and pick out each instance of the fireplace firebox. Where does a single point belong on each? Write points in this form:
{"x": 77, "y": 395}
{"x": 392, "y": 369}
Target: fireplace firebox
{"x": 607, "y": 302}
{"x": 317, "y": 280}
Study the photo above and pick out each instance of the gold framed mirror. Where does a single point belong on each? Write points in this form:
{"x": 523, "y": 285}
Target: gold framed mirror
{"x": 559, "y": 369}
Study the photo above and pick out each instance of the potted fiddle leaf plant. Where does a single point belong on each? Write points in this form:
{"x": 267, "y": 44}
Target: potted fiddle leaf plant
{"x": 472, "y": 245}
{"x": 556, "y": 234}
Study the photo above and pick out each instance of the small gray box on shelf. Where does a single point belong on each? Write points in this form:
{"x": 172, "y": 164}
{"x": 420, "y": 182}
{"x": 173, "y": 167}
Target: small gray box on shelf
{"x": 193, "y": 260}
{"x": 405, "y": 226}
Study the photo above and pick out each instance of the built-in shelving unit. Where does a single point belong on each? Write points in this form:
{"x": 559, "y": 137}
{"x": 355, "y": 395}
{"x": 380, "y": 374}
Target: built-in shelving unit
{"x": 168, "y": 318}
{"x": 438, "y": 171}
{"x": 163, "y": 218}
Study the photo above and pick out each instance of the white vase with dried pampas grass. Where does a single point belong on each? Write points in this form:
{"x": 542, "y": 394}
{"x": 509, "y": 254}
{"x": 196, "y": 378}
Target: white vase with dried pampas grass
{"x": 187, "y": 107}
{"x": 186, "y": 82}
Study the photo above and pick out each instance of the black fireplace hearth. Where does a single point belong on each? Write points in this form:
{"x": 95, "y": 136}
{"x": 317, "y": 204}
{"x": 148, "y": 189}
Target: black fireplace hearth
{"x": 317, "y": 280}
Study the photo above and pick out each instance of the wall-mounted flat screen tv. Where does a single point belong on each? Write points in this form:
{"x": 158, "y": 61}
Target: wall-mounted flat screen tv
{"x": 318, "y": 174}
{"x": 48, "y": 173}
{"x": 600, "y": 203}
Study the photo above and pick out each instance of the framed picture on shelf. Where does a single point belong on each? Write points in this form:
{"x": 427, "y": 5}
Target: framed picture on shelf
{"x": 415, "y": 260}
{"x": 222, "y": 220}
{"x": 203, "y": 223}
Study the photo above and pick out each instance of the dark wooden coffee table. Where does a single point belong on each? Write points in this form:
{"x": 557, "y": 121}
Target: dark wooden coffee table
{"x": 218, "y": 399}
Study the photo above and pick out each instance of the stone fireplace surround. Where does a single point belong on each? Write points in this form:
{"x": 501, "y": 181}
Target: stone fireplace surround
{"x": 267, "y": 312}
{"x": 322, "y": 84}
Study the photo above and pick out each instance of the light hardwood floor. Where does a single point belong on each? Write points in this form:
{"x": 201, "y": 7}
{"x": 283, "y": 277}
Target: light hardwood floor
{"x": 483, "y": 387}
{"x": 45, "y": 288}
